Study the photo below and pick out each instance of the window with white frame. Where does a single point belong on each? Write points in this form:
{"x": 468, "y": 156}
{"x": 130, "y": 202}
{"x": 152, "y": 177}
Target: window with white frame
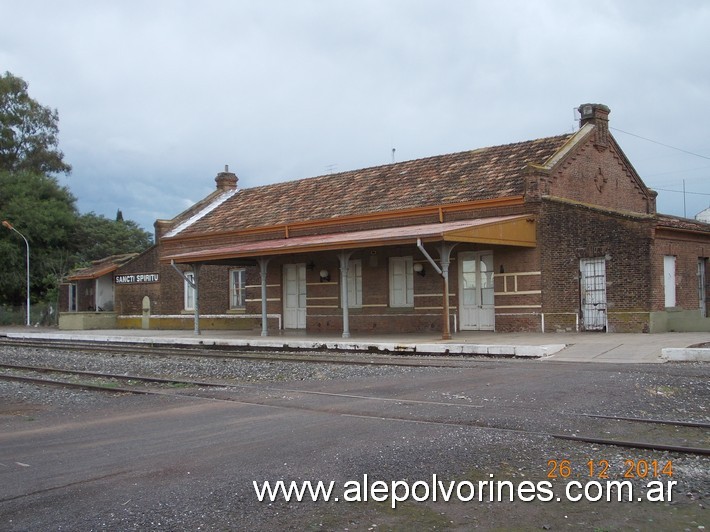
{"x": 237, "y": 288}
{"x": 355, "y": 283}
{"x": 189, "y": 291}
{"x": 401, "y": 282}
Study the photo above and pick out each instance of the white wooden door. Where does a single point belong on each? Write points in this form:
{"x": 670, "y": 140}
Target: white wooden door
{"x": 294, "y": 288}
{"x": 702, "y": 293}
{"x": 593, "y": 293}
{"x": 669, "y": 280}
{"x": 476, "y": 301}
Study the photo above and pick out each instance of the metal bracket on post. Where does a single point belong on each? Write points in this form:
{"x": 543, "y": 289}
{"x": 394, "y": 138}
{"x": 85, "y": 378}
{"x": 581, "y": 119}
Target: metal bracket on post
{"x": 182, "y": 274}
{"x": 428, "y": 257}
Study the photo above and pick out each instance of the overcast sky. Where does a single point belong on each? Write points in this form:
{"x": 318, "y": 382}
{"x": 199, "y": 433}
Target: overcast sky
{"x": 155, "y": 97}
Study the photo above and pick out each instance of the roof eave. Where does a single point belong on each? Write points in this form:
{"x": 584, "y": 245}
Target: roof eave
{"x": 515, "y": 230}
{"x": 440, "y": 210}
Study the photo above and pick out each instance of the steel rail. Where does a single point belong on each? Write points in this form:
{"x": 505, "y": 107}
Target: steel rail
{"x": 635, "y": 445}
{"x": 78, "y": 385}
{"x": 221, "y": 384}
{"x": 695, "y": 424}
{"x": 102, "y": 375}
{"x": 270, "y": 354}
{"x": 598, "y": 441}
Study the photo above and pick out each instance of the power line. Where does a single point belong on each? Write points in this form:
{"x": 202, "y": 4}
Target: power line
{"x": 680, "y": 191}
{"x": 684, "y": 171}
{"x": 661, "y": 143}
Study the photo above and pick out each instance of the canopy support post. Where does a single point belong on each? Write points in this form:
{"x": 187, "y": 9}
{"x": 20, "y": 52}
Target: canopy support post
{"x": 445, "y": 259}
{"x": 344, "y": 257}
{"x": 445, "y": 255}
{"x": 263, "y": 263}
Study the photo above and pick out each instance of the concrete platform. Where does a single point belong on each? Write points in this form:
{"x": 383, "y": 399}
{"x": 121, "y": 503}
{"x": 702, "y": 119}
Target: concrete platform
{"x": 559, "y": 347}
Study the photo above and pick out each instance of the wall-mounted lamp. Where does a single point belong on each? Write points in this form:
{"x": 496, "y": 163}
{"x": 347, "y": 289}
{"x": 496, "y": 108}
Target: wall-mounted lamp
{"x": 419, "y": 268}
{"x": 502, "y": 269}
{"x": 324, "y": 276}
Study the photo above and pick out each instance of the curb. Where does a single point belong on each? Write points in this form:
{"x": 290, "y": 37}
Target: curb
{"x": 526, "y": 351}
{"x": 687, "y": 354}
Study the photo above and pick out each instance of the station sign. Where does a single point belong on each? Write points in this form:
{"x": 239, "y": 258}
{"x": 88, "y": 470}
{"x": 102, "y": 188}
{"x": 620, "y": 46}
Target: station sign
{"x": 137, "y": 278}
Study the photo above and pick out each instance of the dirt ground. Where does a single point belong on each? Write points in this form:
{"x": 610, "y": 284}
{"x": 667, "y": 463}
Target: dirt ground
{"x": 75, "y": 460}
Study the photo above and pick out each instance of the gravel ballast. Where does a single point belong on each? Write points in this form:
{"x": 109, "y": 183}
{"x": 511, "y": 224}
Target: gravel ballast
{"x": 521, "y": 399}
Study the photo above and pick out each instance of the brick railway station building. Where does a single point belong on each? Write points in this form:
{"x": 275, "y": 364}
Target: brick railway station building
{"x": 552, "y": 234}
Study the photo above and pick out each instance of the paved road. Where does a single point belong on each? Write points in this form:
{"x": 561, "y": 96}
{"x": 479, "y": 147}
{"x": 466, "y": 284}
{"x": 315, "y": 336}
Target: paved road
{"x": 173, "y": 462}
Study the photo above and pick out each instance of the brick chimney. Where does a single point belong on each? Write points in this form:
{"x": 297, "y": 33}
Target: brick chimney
{"x": 598, "y": 115}
{"x": 160, "y": 228}
{"x": 594, "y": 113}
{"x": 226, "y": 180}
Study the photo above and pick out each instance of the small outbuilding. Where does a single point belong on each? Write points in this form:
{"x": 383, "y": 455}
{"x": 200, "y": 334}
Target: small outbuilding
{"x": 87, "y": 295}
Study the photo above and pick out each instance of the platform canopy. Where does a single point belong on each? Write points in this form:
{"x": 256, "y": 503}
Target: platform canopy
{"x": 516, "y": 230}
{"x": 102, "y": 267}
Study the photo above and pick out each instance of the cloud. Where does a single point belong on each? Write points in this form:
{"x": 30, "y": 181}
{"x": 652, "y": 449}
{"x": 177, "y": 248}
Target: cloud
{"x": 163, "y": 94}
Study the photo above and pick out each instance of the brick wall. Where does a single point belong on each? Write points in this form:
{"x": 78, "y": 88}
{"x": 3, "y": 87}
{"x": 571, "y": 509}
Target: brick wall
{"x": 129, "y": 297}
{"x": 529, "y": 282}
{"x": 571, "y": 232}
{"x": 600, "y": 175}
{"x": 517, "y": 289}
{"x": 324, "y": 313}
{"x": 687, "y": 249}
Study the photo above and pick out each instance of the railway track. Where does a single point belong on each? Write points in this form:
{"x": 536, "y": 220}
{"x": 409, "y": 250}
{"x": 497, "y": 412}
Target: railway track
{"x": 272, "y": 354}
{"x": 695, "y": 431}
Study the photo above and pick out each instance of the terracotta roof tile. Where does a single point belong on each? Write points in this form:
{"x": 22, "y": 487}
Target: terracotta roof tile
{"x": 444, "y": 179}
{"x": 101, "y": 267}
{"x": 676, "y": 222}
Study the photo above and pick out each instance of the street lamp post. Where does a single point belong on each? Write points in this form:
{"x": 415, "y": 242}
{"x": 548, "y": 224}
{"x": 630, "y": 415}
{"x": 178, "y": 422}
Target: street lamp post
{"x": 27, "y": 244}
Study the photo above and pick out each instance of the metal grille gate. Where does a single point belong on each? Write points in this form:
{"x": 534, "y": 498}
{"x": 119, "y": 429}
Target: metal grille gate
{"x": 593, "y": 293}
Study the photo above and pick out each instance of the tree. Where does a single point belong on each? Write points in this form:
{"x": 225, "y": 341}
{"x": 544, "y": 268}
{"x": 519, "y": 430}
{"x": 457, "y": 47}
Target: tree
{"x": 28, "y": 131}
{"x": 40, "y": 208}
{"x": 97, "y": 237}
{"x": 46, "y": 214}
